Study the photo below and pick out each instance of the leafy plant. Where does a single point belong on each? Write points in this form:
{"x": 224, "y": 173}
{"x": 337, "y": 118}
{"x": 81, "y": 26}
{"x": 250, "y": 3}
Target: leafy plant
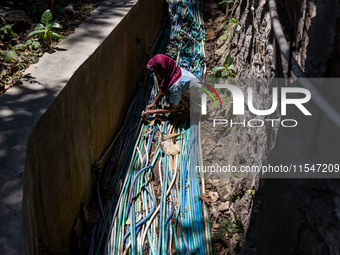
{"x": 85, "y": 8}
{"x": 32, "y": 44}
{"x": 46, "y": 29}
{"x": 228, "y": 70}
{"x": 8, "y": 55}
{"x": 6, "y": 31}
{"x": 229, "y": 27}
{"x": 235, "y": 24}
{"x": 250, "y": 192}
{"x": 229, "y": 227}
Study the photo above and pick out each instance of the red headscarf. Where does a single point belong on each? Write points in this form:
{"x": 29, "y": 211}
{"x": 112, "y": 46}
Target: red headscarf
{"x": 166, "y": 68}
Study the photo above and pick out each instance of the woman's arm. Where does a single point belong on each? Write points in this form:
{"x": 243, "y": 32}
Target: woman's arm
{"x": 172, "y": 108}
{"x": 159, "y": 96}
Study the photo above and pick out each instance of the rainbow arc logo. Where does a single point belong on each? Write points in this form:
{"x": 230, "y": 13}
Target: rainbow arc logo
{"x": 210, "y": 94}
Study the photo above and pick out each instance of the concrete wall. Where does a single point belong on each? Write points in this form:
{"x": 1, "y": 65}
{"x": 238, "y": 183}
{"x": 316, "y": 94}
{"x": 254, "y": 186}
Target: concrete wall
{"x": 76, "y": 128}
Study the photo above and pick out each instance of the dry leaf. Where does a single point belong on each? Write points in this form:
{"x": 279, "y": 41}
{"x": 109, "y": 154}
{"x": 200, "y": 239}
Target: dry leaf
{"x": 204, "y": 198}
{"x": 168, "y": 145}
{"x": 169, "y": 148}
{"x": 215, "y": 213}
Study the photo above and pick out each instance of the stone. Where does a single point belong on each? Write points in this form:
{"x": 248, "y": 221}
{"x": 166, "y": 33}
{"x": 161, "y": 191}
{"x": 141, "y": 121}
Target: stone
{"x": 223, "y": 207}
{"x": 214, "y": 196}
{"x": 215, "y": 182}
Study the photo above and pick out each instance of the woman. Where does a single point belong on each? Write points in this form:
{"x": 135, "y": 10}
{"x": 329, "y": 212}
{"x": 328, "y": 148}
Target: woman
{"x": 175, "y": 82}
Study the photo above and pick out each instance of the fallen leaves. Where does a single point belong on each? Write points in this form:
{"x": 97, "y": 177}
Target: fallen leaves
{"x": 156, "y": 118}
{"x": 204, "y": 198}
{"x": 168, "y": 145}
{"x": 209, "y": 197}
{"x": 214, "y": 212}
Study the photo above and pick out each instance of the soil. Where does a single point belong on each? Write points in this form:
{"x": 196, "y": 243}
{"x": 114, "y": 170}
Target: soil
{"x": 69, "y": 15}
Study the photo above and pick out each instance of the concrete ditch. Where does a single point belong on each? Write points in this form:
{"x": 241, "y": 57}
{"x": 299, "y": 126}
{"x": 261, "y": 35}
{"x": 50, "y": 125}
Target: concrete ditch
{"x": 59, "y": 119}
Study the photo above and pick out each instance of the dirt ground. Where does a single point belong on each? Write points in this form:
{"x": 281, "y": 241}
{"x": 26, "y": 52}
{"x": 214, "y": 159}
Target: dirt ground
{"x": 24, "y": 20}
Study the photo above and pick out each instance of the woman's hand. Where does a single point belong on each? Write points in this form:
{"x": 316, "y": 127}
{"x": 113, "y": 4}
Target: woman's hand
{"x": 146, "y": 113}
{"x": 166, "y": 110}
{"x": 148, "y": 110}
{"x": 150, "y": 107}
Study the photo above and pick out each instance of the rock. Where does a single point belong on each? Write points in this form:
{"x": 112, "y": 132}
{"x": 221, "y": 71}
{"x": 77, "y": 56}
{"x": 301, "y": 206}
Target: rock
{"x": 223, "y": 207}
{"x": 215, "y": 182}
{"x": 243, "y": 209}
{"x": 214, "y": 196}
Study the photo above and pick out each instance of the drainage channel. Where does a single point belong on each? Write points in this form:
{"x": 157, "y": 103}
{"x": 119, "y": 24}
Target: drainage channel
{"x": 149, "y": 198}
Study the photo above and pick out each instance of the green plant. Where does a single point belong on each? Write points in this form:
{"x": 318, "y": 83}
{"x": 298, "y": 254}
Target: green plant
{"x": 250, "y": 192}
{"x": 46, "y": 29}
{"x": 229, "y": 227}
{"x": 85, "y": 8}
{"x": 233, "y": 23}
{"x": 229, "y": 27}
{"x": 31, "y": 44}
{"x": 8, "y": 55}
{"x": 228, "y": 70}
{"x": 6, "y": 31}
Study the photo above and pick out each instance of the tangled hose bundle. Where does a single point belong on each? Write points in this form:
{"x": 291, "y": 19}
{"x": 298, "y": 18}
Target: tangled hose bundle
{"x": 187, "y": 35}
{"x": 155, "y": 207}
